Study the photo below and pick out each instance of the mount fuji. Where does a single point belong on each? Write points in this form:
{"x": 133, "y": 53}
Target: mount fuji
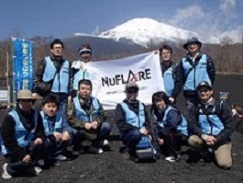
{"x": 146, "y": 32}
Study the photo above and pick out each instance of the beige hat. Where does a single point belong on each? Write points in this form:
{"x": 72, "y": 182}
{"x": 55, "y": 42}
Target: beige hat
{"x": 24, "y": 95}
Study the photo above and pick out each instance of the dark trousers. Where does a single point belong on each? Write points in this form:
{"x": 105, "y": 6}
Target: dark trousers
{"x": 16, "y": 165}
{"x": 102, "y": 133}
{"x": 172, "y": 143}
{"x": 54, "y": 147}
{"x": 131, "y": 138}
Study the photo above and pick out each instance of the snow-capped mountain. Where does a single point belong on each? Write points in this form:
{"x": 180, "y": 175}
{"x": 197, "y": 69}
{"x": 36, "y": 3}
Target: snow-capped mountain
{"x": 146, "y": 31}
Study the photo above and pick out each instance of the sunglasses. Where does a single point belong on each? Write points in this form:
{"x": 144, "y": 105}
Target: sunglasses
{"x": 132, "y": 91}
{"x": 204, "y": 90}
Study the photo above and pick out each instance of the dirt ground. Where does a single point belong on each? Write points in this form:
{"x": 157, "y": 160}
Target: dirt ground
{"x": 111, "y": 167}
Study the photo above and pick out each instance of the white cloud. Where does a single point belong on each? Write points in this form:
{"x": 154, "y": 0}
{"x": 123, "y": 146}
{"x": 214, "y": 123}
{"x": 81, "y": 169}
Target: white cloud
{"x": 209, "y": 24}
{"x": 188, "y": 15}
{"x": 227, "y": 7}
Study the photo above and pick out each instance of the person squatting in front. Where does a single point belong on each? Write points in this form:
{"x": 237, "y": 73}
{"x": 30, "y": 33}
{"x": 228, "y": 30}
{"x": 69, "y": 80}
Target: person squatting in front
{"x": 133, "y": 122}
{"x": 211, "y": 125}
{"x": 58, "y": 132}
{"x": 86, "y": 117}
{"x": 22, "y": 135}
{"x": 170, "y": 126}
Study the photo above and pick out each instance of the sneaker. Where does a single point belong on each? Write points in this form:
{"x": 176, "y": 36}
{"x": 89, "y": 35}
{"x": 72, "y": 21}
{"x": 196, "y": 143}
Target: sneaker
{"x": 5, "y": 174}
{"x": 100, "y": 151}
{"x": 40, "y": 162}
{"x": 37, "y": 170}
{"x": 60, "y": 157}
{"x": 173, "y": 159}
{"x": 106, "y": 142}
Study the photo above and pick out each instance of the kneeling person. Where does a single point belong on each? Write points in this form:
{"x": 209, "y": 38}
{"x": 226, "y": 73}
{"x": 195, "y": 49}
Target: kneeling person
{"x": 211, "y": 125}
{"x": 57, "y": 130}
{"x": 134, "y": 125}
{"x": 86, "y": 116}
{"x": 171, "y": 126}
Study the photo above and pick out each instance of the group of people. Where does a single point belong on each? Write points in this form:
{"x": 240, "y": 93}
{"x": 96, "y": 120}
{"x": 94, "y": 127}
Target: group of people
{"x": 68, "y": 115}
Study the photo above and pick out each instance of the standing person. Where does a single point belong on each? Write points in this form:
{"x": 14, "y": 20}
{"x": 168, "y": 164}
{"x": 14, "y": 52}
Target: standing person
{"x": 169, "y": 73}
{"x": 132, "y": 120}
{"x": 171, "y": 126}
{"x": 53, "y": 75}
{"x": 86, "y": 116}
{"x": 58, "y": 132}
{"x": 210, "y": 125}
{"x": 194, "y": 68}
{"x": 79, "y": 67}
{"x": 22, "y": 135}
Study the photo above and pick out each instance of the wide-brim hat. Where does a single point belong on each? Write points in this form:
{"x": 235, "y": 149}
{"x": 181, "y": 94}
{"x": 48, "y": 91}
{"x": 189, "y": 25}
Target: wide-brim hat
{"x": 25, "y": 95}
{"x": 204, "y": 84}
{"x": 192, "y": 40}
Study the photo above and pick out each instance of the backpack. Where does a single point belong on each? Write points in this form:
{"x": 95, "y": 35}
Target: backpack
{"x": 145, "y": 150}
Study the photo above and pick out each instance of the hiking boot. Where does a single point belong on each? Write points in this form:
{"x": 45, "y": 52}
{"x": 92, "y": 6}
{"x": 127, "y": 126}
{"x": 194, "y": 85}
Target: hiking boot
{"x": 207, "y": 156}
{"x": 60, "y": 157}
{"x": 5, "y": 174}
{"x": 194, "y": 156}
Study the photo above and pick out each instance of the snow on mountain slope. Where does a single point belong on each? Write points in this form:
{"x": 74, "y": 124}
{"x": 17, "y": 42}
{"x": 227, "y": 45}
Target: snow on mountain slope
{"x": 146, "y": 31}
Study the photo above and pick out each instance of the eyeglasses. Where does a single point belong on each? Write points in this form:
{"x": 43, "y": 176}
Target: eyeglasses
{"x": 204, "y": 90}
{"x": 132, "y": 91}
{"x": 85, "y": 52}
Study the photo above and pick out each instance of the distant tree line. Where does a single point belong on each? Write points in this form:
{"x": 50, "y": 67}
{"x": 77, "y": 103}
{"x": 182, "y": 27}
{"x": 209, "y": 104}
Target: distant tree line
{"x": 227, "y": 56}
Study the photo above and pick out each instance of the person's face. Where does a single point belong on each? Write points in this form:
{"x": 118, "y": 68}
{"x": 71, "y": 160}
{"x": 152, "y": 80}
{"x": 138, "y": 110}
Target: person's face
{"x": 50, "y": 109}
{"x": 205, "y": 94}
{"x": 25, "y": 105}
{"x": 86, "y": 56}
{"x": 166, "y": 55}
{"x": 132, "y": 94}
{"x": 193, "y": 47}
{"x": 160, "y": 104}
{"x": 85, "y": 91}
{"x": 57, "y": 50}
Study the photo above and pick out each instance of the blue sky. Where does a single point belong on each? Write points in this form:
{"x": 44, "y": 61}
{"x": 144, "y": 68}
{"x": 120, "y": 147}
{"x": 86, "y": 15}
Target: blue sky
{"x": 62, "y": 18}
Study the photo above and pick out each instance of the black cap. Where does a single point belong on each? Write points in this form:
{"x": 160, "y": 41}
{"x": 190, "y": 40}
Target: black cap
{"x": 131, "y": 86}
{"x": 192, "y": 40}
{"x": 204, "y": 84}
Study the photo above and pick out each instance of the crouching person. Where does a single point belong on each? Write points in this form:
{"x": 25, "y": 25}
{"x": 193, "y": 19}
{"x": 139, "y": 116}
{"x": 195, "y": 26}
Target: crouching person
{"x": 134, "y": 126}
{"x": 170, "y": 126}
{"x": 58, "y": 132}
{"x": 211, "y": 125}
{"x": 22, "y": 135}
{"x": 86, "y": 116}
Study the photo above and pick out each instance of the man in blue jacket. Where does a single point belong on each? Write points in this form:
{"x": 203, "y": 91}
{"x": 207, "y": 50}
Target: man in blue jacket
{"x": 58, "y": 132}
{"x": 22, "y": 135}
{"x": 194, "y": 68}
{"x": 210, "y": 126}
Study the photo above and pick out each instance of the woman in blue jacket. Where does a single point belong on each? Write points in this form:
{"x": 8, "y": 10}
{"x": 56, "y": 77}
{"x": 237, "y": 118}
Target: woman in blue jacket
{"x": 171, "y": 126}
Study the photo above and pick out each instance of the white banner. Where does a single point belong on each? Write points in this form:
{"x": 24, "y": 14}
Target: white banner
{"x": 110, "y": 77}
